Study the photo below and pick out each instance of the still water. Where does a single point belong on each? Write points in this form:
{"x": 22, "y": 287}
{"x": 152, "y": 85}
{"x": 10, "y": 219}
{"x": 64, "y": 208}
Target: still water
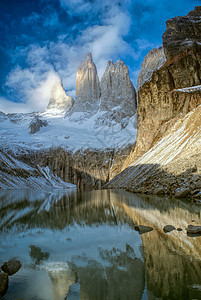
{"x": 83, "y": 245}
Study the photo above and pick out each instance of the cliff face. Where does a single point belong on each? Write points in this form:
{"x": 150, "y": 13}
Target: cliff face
{"x": 152, "y": 61}
{"x": 173, "y": 165}
{"x": 160, "y": 99}
{"x": 166, "y": 159}
{"x": 117, "y": 90}
{"x": 88, "y": 169}
{"x": 87, "y": 86}
{"x": 182, "y": 33}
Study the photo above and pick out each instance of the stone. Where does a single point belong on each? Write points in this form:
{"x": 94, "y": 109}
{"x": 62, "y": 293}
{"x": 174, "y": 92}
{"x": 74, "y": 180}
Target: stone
{"x": 118, "y": 94}
{"x": 182, "y": 33}
{"x": 59, "y": 101}
{"x": 87, "y": 86}
{"x": 179, "y": 229}
{"x": 11, "y": 267}
{"x": 3, "y": 283}
{"x": 143, "y": 229}
{"x": 191, "y": 229}
{"x": 152, "y": 61}
{"x": 168, "y": 228}
{"x": 182, "y": 192}
{"x": 36, "y": 124}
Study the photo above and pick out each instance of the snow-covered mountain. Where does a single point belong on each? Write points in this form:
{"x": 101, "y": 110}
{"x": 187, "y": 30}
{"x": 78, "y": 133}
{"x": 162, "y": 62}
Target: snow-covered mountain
{"x": 80, "y": 127}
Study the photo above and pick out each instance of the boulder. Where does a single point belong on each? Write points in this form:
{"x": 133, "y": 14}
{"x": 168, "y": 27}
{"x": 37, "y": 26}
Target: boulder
{"x": 11, "y": 267}
{"x": 143, "y": 229}
{"x": 182, "y": 192}
{"x": 168, "y": 228}
{"x": 3, "y": 283}
{"x": 191, "y": 229}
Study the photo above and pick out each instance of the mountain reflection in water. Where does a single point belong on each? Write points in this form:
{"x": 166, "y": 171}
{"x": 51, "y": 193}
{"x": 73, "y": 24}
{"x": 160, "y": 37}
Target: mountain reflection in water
{"x": 83, "y": 245}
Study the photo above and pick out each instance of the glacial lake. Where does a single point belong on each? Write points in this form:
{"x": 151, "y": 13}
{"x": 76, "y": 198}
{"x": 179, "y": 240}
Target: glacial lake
{"x": 84, "y": 245}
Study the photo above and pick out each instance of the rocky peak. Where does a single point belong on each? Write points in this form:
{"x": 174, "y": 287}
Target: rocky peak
{"x": 182, "y": 33}
{"x": 36, "y": 124}
{"x": 87, "y": 86}
{"x": 152, "y": 61}
{"x": 58, "y": 98}
{"x": 117, "y": 90}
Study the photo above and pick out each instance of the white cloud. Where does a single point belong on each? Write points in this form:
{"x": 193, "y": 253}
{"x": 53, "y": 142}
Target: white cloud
{"x": 105, "y": 41}
{"x": 36, "y": 93}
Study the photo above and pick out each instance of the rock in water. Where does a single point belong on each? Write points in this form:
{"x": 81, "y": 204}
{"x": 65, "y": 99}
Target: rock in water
{"x": 182, "y": 33}
{"x": 12, "y": 266}
{"x": 168, "y": 228}
{"x": 87, "y": 86}
{"x": 36, "y": 124}
{"x": 143, "y": 229}
{"x": 3, "y": 283}
{"x": 191, "y": 229}
{"x": 59, "y": 101}
{"x": 152, "y": 61}
{"x": 117, "y": 90}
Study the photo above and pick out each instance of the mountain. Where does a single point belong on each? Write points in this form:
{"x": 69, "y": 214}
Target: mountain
{"x": 166, "y": 158}
{"x": 87, "y": 86}
{"x": 76, "y": 140}
{"x": 118, "y": 96}
{"x": 59, "y": 101}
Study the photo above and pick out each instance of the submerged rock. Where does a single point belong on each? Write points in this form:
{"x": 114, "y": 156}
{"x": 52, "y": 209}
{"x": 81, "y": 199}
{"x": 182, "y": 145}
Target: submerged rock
{"x": 11, "y": 267}
{"x": 168, "y": 228}
{"x": 3, "y": 283}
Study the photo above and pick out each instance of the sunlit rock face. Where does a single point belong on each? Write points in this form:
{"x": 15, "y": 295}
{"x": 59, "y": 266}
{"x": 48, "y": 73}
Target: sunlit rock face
{"x": 117, "y": 90}
{"x": 152, "y": 61}
{"x": 182, "y": 33}
{"x": 87, "y": 86}
{"x": 168, "y": 93}
{"x": 58, "y": 98}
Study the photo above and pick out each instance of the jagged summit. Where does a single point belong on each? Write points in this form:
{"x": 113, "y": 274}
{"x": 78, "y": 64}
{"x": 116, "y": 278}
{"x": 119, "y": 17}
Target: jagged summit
{"x": 152, "y": 61}
{"x": 87, "y": 86}
{"x": 117, "y": 90}
{"x": 59, "y": 101}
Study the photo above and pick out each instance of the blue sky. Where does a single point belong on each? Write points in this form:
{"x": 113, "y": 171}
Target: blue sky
{"x": 43, "y": 39}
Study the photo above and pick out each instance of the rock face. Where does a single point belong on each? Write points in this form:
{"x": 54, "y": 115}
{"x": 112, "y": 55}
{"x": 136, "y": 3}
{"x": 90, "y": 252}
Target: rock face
{"x": 166, "y": 158}
{"x": 36, "y": 124}
{"x": 117, "y": 90}
{"x": 88, "y": 169}
{"x": 152, "y": 61}
{"x": 87, "y": 86}
{"x": 168, "y": 93}
{"x": 182, "y": 33}
{"x": 173, "y": 165}
{"x": 58, "y": 99}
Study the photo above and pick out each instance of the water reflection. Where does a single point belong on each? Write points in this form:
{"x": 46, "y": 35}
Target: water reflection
{"x": 82, "y": 245}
